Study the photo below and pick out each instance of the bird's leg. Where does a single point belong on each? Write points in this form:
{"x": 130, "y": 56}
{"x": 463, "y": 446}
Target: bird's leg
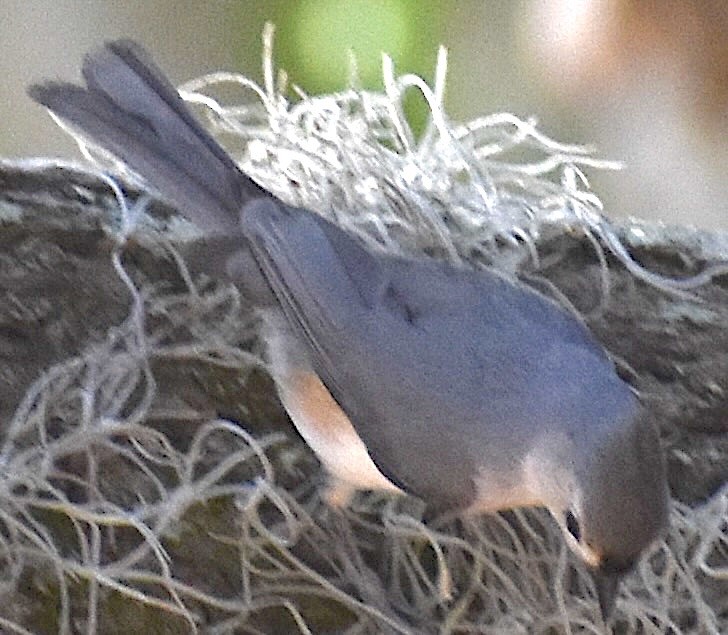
{"x": 338, "y": 493}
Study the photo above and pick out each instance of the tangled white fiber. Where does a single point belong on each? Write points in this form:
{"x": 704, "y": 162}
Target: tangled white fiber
{"x": 107, "y": 502}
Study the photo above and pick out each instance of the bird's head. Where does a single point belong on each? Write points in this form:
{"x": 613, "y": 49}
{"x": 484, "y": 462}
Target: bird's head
{"x": 608, "y": 493}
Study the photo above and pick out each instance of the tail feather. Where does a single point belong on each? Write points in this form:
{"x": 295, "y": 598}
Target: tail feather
{"x": 131, "y": 109}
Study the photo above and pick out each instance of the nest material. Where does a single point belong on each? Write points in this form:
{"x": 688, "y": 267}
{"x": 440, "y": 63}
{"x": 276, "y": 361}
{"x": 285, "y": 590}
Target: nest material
{"x": 149, "y": 481}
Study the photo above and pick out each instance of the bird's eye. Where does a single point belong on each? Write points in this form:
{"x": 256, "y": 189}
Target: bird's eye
{"x": 572, "y": 525}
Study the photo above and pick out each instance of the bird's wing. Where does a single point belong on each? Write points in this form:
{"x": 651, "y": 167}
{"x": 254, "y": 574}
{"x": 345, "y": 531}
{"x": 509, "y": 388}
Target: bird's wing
{"x": 434, "y": 365}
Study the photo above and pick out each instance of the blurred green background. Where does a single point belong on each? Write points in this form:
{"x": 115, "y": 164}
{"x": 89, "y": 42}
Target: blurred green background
{"x": 644, "y": 81}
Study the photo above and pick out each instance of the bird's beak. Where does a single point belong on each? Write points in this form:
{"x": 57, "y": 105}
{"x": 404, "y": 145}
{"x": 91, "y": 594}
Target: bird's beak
{"x": 607, "y": 586}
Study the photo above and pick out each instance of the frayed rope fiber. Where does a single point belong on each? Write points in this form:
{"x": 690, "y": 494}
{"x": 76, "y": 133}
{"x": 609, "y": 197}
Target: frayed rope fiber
{"x": 107, "y": 508}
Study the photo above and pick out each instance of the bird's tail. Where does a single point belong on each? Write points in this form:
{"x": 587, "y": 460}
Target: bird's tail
{"x": 130, "y": 108}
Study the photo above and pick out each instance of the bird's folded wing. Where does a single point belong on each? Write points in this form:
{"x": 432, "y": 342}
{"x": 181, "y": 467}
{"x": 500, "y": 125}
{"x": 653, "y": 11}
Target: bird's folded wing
{"x": 431, "y": 363}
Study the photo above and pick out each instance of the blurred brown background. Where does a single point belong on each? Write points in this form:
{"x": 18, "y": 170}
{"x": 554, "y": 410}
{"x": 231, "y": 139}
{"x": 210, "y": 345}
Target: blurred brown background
{"x": 646, "y": 81}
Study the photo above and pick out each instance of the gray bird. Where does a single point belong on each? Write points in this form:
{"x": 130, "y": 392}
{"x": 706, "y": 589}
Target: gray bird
{"x": 462, "y": 387}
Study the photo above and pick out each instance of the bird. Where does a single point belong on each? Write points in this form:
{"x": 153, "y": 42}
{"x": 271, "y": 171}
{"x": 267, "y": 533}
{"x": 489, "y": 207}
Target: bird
{"x": 458, "y": 385}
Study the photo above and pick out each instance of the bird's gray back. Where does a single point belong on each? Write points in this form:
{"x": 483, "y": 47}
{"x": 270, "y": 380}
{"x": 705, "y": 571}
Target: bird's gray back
{"x": 441, "y": 369}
